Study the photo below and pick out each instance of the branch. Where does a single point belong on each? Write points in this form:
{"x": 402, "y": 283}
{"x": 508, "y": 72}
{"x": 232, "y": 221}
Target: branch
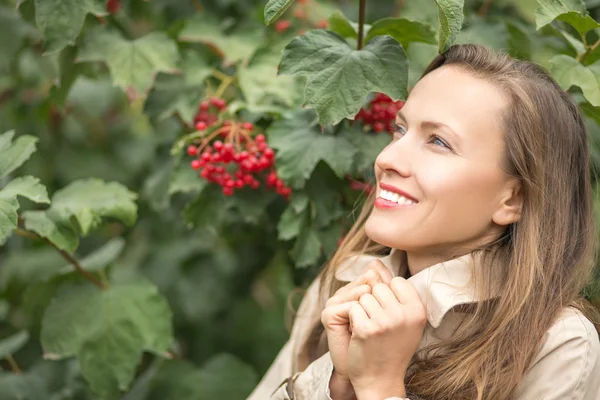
{"x": 72, "y": 260}
{"x": 582, "y": 57}
{"x": 13, "y": 365}
{"x": 361, "y": 22}
{"x": 485, "y": 7}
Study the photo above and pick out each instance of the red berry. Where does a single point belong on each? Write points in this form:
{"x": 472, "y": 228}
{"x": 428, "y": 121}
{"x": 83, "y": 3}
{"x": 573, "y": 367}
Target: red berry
{"x": 195, "y": 164}
{"x": 204, "y": 106}
{"x": 378, "y": 126}
{"x": 227, "y": 191}
{"x": 260, "y": 137}
{"x": 323, "y": 24}
{"x": 239, "y": 183}
{"x": 248, "y": 126}
{"x": 217, "y": 102}
{"x": 192, "y": 151}
{"x": 271, "y": 179}
{"x": 205, "y": 173}
{"x": 113, "y": 6}
{"x": 218, "y": 145}
{"x": 229, "y": 184}
{"x": 255, "y": 184}
{"x": 201, "y": 125}
{"x": 227, "y": 148}
{"x": 206, "y": 156}
{"x": 269, "y": 153}
{"x": 282, "y": 25}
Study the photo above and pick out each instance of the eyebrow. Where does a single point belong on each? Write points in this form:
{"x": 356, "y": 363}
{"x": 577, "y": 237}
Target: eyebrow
{"x": 434, "y": 124}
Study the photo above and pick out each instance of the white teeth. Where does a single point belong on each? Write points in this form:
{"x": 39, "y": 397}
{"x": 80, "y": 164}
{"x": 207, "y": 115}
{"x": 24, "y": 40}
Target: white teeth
{"x": 395, "y": 197}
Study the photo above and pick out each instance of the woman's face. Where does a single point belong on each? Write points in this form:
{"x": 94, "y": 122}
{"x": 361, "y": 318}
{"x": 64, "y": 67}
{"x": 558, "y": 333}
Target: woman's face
{"x": 446, "y": 157}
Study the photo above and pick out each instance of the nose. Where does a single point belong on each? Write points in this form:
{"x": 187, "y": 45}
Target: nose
{"x": 395, "y": 158}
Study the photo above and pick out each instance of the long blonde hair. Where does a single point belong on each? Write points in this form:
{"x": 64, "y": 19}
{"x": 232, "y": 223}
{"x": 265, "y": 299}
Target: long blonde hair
{"x": 545, "y": 260}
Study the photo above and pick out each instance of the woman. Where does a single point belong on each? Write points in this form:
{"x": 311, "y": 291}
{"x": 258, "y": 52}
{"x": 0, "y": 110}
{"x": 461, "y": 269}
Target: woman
{"x": 462, "y": 277}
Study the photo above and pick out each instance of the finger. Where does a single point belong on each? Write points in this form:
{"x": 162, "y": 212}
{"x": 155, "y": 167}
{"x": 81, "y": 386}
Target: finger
{"x": 337, "y": 316}
{"x": 359, "y": 321}
{"x": 372, "y": 307}
{"x": 405, "y": 292}
{"x": 352, "y": 294}
{"x": 385, "y": 296}
{"x": 382, "y": 270}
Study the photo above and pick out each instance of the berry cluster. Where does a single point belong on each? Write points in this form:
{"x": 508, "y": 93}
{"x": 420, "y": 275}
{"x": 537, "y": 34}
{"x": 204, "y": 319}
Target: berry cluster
{"x": 113, "y": 6}
{"x": 208, "y": 112}
{"x": 237, "y": 161}
{"x": 302, "y": 14}
{"x": 380, "y": 114}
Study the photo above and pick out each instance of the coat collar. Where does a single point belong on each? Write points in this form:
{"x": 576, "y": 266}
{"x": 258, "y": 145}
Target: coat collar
{"x": 441, "y": 286}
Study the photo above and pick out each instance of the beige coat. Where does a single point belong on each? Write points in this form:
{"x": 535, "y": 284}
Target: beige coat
{"x": 567, "y": 367}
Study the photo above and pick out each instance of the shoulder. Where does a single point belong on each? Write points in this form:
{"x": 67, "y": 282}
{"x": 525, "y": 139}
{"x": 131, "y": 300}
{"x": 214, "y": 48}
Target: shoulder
{"x": 568, "y": 362}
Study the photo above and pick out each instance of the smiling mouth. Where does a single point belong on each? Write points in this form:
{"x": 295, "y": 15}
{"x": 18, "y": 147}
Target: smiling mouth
{"x": 395, "y": 198}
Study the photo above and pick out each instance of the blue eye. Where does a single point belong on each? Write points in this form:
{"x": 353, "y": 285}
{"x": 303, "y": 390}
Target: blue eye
{"x": 398, "y": 131}
{"x": 435, "y": 139}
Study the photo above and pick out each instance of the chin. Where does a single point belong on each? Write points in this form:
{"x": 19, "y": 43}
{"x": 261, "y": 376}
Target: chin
{"x": 377, "y": 232}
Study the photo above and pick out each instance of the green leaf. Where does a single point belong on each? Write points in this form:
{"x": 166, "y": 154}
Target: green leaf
{"x": 13, "y": 343}
{"x": 181, "y": 93}
{"x": 307, "y": 249}
{"x": 107, "y": 330}
{"x": 262, "y": 87}
{"x": 339, "y": 78}
{"x": 450, "y": 18}
{"x": 14, "y": 154}
{"x": 205, "y": 209}
{"x": 368, "y": 147}
{"x": 549, "y": 10}
{"x": 275, "y": 9}
{"x": 100, "y": 258}
{"x": 90, "y": 200}
{"x": 339, "y": 24}
{"x": 14, "y": 31}
{"x": 232, "y": 47}
{"x": 569, "y": 72}
{"x": 26, "y": 186}
{"x": 21, "y": 387}
{"x": 403, "y": 30}
{"x": 133, "y": 64}
{"x": 582, "y": 23}
{"x": 300, "y": 146}
{"x": 54, "y": 226}
{"x": 61, "y": 20}
{"x": 290, "y": 223}
{"x": 185, "y": 180}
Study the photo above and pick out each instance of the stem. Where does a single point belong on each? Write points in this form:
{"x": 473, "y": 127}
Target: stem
{"x": 72, "y": 260}
{"x": 485, "y": 7}
{"x": 226, "y": 80}
{"x": 13, "y": 365}
{"x": 582, "y": 57}
{"x": 361, "y": 22}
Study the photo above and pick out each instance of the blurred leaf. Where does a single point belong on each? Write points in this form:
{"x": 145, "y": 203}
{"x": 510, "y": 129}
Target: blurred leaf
{"x": 54, "y": 226}
{"x": 185, "y": 180}
{"x": 21, "y": 387}
{"x": 307, "y": 249}
{"x": 324, "y": 190}
{"x": 107, "y": 330}
{"x": 339, "y": 24}
{"x": 13, "y": 343}
{"x": 582, "y": 23}
{"x": 275, "y": 9}
{"x": 232, "y": 47}
{"x": 91, "y": 200}
{"x": 290, "y": 223}
{"x": 14, "y": 154}
{"x": 338, "y": 78}
{"x": 23, "y": 268}
{"x": 519, "y": 42}
{"x": 450, "y": 18}
{"x": 403, "y": 30}
{"x": 61, "y": 20}
{"x": 28, "y": 187}
{"x": 300, "y": 146}
{"x": 14, "y": 31}
{"x": 262, "y": 87}
{"x": 179, "y": 93}
{"x": 205, "y": 209}
{"x": 571, "y": 11}
{"x": 569, "y": 72}
{"x": 132, "y": 63}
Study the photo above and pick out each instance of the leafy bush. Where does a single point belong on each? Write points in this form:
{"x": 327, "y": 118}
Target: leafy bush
{"x": 171, "y": 170}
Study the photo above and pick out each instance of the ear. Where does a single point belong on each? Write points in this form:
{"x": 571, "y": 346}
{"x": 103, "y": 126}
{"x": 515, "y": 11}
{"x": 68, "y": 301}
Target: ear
{"x": 511, "y": 204}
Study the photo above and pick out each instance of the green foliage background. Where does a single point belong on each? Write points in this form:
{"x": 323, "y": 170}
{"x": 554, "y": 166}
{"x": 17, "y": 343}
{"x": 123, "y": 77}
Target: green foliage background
{"x": 182, "y": 291}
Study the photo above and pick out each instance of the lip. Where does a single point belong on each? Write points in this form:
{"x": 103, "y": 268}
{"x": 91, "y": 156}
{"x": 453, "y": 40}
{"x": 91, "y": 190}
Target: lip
{"x": 394, "y": 189}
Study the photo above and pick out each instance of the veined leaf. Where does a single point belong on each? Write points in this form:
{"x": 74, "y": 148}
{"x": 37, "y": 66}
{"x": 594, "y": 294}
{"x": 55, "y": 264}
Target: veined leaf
{"x": 275, "y": 9}
{"x": 338, "y": 78}
{"x": 339, "y": 24}
{"x": 300, "y": 146}
{"x": 403, "y": 30}
{"x": 14, "y": 154}
{"x": 450, "y": 18}
{"x": 549, "y": 10}
{"x": 107, "y": 331}
{"x": 54, "y": 226}
{"x": 569, "y": 72}
{"x": 61, "y": 20}
{"x": 132, "y": 63}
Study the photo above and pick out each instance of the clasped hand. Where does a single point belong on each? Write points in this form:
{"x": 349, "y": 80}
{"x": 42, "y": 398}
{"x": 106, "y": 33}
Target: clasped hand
{"x": 374, "y": 326}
